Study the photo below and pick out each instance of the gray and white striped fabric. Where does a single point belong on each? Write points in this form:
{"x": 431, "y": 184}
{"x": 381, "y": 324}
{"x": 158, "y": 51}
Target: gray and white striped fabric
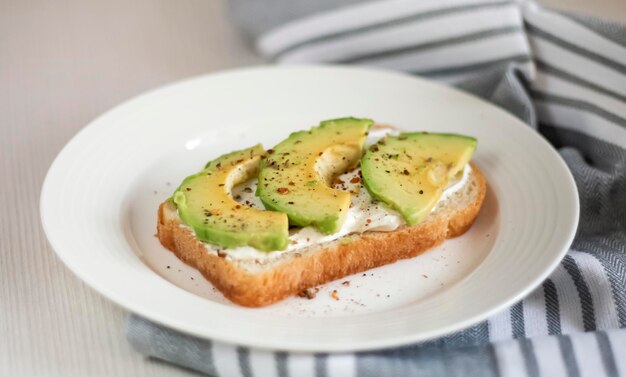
{"x": 565, "y": 75}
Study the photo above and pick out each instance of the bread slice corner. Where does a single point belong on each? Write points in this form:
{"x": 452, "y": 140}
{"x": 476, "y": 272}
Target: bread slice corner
{"x": 261, "y": 282}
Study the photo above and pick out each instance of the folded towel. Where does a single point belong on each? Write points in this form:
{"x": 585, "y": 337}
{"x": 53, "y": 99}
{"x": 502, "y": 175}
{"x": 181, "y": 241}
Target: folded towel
{"x": 564, "y": 75}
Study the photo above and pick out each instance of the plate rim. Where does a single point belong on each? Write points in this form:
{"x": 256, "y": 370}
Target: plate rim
{"x": 276, "y": 345}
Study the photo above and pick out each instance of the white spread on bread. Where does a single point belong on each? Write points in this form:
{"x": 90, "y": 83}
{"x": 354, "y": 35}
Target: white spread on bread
{"x": 365, "y": 213}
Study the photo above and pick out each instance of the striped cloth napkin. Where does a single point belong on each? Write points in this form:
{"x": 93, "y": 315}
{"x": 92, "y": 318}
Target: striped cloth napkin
{"x": 564, "y": 75}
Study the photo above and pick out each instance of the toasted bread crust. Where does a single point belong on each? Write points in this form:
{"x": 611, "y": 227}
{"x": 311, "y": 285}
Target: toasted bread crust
{"x": 369, "y": 250}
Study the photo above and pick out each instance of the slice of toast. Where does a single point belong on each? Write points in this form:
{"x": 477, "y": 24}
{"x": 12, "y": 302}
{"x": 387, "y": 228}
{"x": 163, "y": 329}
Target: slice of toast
{"x": 261, "y": 282}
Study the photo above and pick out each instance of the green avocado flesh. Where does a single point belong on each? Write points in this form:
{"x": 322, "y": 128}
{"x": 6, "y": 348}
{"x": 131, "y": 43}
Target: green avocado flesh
{"x": 296, "y": 175}
{"x": 205, "y": 204}
{"x": 409, "y": 172}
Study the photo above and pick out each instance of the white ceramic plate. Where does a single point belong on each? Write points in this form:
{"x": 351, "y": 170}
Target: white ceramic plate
{"x": 100, "y": 198}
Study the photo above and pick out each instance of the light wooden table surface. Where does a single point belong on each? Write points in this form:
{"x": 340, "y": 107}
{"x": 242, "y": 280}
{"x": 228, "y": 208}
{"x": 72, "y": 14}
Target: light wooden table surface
{"x": 62, "y": 63}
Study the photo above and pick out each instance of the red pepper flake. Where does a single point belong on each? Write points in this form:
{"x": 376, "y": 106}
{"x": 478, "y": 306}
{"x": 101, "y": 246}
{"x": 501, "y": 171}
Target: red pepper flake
{"x": 355, "y": 180}
{"x": 292, "y": 183}
{"x": 334, "y": 295}
{"x": 270, "y": 151}
{"x": 283, "y": 190}
{"x": 405, "y": 172}
{"x": 240, "y": 160}
{"x": 237, "y": 206}
{"x": 337, "y": 182}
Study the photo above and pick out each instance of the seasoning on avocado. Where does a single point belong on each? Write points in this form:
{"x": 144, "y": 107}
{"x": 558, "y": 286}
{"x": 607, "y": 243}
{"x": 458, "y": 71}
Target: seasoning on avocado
{"x": 306, "y": 172}
{"x": 432, "y": 159}
{"x": 204, "y": 204}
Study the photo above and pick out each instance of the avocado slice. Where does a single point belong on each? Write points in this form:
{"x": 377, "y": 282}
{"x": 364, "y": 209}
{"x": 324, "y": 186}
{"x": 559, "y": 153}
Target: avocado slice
{"x": 296, "y": 175}
{"x": 409, "y": 172}
{"x": 205, "y": 204}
